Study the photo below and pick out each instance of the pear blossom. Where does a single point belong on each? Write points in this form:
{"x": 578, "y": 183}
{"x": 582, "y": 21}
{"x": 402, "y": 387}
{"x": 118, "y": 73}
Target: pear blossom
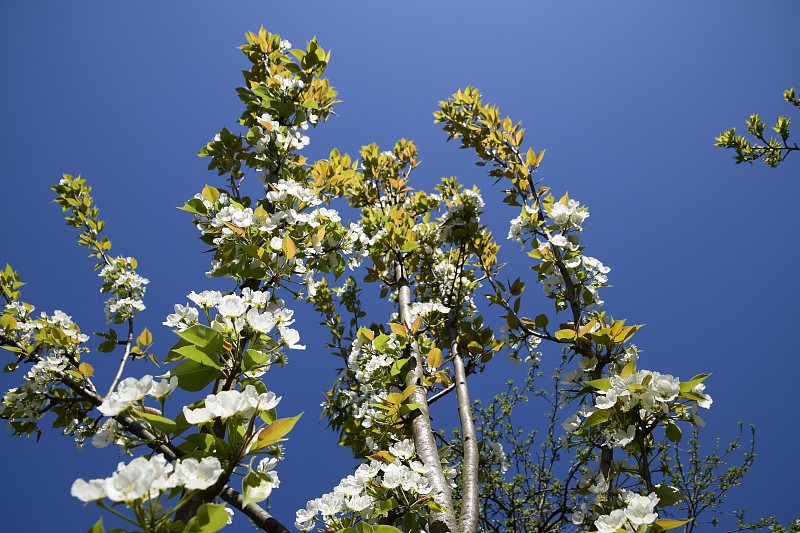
{"x": 611, "y": 522}
{"x": 261, "y": 322}
{"x": 640, "y": 510}
{"x": 226, "y": 404}
{"x": 129, "y": 391}
{"x": 206, "y": 299}
{"x": 183, "y": 317}
{"x": 198, "y": 475}
{"x": 88, "y": 491}
{"x": 231, "y": 305}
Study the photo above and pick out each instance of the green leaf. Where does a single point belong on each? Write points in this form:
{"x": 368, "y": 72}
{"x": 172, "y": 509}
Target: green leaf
{"x": 380, "y": 341}
{"x": 363, "y": 527}
{"x": 274, "y": 432}
{"x": 565, "y": 334}
{"x": 210, "y": 193}
{"x": 8, "y": 322}
{"x": 380, "y": 528}
{"x": 159, "y": 422}
{"x": 193, "y": 376}
{"x": 288, "y": 247}
{"x": 673, "y": 432}
{"x": 398, "y": 329}
{"x": 202, "y": 441}
{"x": 600, "y": 384}
{"x": 409, "y": 246}
{"x": 107, "y": 346}
{"x": 598, "y": 417}
{"x": 97, "y": 527}
{"x": 210, "y": 517}
{"x": 628, "y": 369}
{"x": 252, "y": 359}
{"x": 198, "y": 355}
{"x": 692, "y": 396}
{"x": 687, "y": 386}
{"x": 202, "y": 336}
{"x": 145, "y": 337}
{"x": 435, "y": 357}
{"x": 667, "y": 495}
{"x": 667, "y": 523}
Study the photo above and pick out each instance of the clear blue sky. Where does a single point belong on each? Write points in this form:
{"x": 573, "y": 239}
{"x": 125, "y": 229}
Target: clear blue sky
{"x": 626, "y": 96}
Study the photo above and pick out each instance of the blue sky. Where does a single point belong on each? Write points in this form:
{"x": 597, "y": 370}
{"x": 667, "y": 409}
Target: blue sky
{"x": 626, "y": 97}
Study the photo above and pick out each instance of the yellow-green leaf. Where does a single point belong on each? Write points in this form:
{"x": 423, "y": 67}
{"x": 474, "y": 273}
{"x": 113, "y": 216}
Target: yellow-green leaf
{"x": 288, "y": 247}
{"x": 435, "y": 357}
{"x": 628, "y": 369}
{"x": 275, "y": 432}
{"x": 664, "y": 524}
{"x": 86, "y": 369}
{"x": 145, "y": 337}
{"x": 210, "y": 193}
{"x": 565, "y": 334}
{"x": 398, "y": 329}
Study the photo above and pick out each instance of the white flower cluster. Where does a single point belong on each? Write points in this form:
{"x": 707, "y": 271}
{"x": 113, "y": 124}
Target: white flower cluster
{"x": 347, "y": 288}
{"x": 226, "y": 404}
{"x": 586, "y": 273}
{"x": 496, "y": 455}
{"x": 296, "y": 213}
{"x": 464, "y": 208}
{"x": 284, "y": 189}
{"x": 639, "y": 511}
{"x": 425, "y": 309}
{"x": 127, "y": 288}
{"x": 132, "y": 390}
{"x": 147, "y": 478}
{"x": 269, "y": 476}
{"x": 517, "y": 341}
{"x": 649, "y": 393}
{"x": 110, "y": 432}
{"x": 449, "y": 280}
{"x": 521, "y": 226}
{"x": 357, "y": 391}
{"x": 569, "y": 215}
{"x": 64, "y": 345}
{"x": 356, "y": 495}
{"x": 285, "y": 138}
{"x": 29, "y": 401}
{"x": 358, "y": 243}
{"x": 27, "y": 326}
{"x": 257, "y": 310}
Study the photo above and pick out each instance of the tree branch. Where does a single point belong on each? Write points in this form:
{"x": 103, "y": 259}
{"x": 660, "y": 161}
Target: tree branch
{"x": 422, "y": 433}
{"x": 470, "y": 505}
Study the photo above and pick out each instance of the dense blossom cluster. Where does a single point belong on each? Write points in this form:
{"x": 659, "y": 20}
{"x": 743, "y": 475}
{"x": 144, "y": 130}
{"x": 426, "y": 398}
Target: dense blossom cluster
{"x": 559, "y": 239}
{"x": 649, "y": 395}
{"x": 127, "y": 288}
{"x": 316, "y": 232}
{"x": 131, "y": 391}
{"x": 638, "y": 511}
{"x": 403, "y": 477}
{"x": 64, "y": 345}
{"x": 258, "y": 311}
{"x": 462, "y": 212}
{"x": 230, "y": 403}
{"x": 360, "y": 387}
{"x": 144, "y": 478}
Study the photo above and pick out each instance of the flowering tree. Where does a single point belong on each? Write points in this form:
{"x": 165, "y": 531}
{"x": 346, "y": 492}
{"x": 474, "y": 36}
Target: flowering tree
{"x": 210, "y": 419}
